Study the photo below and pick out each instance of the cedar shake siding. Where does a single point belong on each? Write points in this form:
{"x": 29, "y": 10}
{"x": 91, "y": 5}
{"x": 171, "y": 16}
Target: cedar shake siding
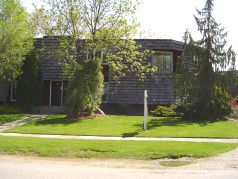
{"x": 50, "y": 69}
{"x": 159, "y": 86}
{"x": 126, "y": 91}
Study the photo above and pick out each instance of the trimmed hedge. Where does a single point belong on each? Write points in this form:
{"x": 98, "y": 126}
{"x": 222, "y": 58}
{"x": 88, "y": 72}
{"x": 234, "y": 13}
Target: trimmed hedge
{"x": 162, "y": 111}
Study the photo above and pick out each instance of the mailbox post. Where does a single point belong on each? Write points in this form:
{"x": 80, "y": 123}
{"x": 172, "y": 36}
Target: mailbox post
{"x": 145, "y": 109}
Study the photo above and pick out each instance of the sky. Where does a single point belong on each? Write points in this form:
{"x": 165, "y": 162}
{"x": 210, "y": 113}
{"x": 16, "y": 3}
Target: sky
{"x": 169, "y": 19}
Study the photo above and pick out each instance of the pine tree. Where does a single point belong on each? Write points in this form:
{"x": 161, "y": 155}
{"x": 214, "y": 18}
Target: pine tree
{"x": 206, "y": 97}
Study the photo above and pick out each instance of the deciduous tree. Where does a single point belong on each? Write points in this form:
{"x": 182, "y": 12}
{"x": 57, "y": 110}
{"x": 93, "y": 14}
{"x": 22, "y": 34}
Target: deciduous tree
{"x": 16, "y": 36}
{"x": 107, "y": 28}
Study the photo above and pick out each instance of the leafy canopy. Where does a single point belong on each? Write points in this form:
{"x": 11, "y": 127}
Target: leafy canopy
{"x": 16, "y": 36}
{"x": 107, "y": 27}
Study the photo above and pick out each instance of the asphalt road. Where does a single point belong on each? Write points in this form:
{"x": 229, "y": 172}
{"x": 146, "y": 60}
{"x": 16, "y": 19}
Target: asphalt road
{"x": 223, "y": 166}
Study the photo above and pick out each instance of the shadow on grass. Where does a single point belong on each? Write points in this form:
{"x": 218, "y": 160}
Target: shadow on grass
{"x": 55, "y": 121}
{"x": 166, "y": 121}
{"x": 159, "y": 122}
{"x": 130, "y": 134}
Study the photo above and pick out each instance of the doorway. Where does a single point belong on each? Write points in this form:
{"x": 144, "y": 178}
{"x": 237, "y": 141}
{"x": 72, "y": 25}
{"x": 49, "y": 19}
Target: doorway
{"x": 54, "y": 92}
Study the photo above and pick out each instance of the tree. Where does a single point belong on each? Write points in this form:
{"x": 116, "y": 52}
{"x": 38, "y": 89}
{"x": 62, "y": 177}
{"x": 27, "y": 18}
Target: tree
{"x": 203, "y": 85}
{"x": 107, "y": 29}
{"x": 29, "y": 82}
{"x": 86, "y": 89}
{"x": 16, "y": 36}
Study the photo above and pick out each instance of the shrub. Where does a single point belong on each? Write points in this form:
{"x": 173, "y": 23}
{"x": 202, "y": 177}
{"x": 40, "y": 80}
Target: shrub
{"x": 216, "y": 108}
{"x": 162, "y": 111}
{"x": 234, "y": 113}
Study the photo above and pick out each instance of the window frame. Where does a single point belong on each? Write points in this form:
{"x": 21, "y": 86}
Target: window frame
{"x": 163, "y": 53}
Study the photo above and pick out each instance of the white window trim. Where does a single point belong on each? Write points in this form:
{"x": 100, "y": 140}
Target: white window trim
{"x": 171, "y": 63}
{"x": 61, "y": 95}
{"x": 94, "y": 53}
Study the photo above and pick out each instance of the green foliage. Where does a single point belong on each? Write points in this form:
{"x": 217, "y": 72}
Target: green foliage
{"x": 107, "y": 26}
{"x": 234, "y": 113}
{"x": 162, "y": 111}
{"x": 219, "y": 105}
{"x": 215, "y": 109}
{"x": 16, "y": 36}
{"x": 201, "y": 82}
{"x": 85, "y": 93}
{"x": 29, "y": 82}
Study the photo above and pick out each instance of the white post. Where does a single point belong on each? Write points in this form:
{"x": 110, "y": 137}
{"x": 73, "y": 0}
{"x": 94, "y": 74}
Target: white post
{"x": 145, "y": 108}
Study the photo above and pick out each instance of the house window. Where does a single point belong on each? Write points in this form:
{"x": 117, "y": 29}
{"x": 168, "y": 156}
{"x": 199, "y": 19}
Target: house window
{"x": 95, "y": 54}
{"x": 164, "y": 62}
{"x": 13, "y": 91}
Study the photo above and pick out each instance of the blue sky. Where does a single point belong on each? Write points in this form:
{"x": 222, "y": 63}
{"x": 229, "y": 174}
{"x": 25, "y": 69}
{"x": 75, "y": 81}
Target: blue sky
{"x": 170, "y": 18}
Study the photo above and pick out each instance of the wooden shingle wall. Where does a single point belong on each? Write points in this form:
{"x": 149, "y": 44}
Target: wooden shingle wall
{"x": 128, "y": 90}
{"x": 50, "y": 68}
{"x": 159, "y": 86}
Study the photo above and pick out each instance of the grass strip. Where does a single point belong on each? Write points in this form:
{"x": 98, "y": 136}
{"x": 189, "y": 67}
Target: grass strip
{"x": 129, "y": 126}
{"x": 140, "y": 150}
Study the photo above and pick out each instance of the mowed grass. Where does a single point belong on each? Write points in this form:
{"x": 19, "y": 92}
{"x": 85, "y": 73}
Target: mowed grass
{"x": 11, "y": 117}
{"x": 129, "y": 126}
{"x": 140, "y": 150}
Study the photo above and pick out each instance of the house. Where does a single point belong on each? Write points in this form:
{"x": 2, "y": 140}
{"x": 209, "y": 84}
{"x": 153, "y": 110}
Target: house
{"x": 123, "y": 95}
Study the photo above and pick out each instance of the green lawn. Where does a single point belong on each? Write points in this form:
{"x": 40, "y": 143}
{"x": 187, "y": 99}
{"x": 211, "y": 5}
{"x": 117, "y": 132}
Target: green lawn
{"x": 130, "y": 126}
{"x": 141, "y": 150}
{"x": 11, "y": 117}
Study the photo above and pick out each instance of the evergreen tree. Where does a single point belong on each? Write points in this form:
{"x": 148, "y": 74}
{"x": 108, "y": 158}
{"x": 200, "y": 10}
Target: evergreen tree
{"x": 203, "y": 84}
{"x": 29, "y": 82}
{"x": 85, "y": 93}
